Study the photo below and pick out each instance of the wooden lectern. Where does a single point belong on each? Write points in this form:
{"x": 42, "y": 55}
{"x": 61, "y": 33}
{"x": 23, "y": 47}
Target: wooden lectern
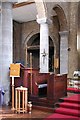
{"x": 14, "y": 72}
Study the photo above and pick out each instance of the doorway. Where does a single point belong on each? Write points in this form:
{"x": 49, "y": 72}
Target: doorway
{"x": 33, "y": 46}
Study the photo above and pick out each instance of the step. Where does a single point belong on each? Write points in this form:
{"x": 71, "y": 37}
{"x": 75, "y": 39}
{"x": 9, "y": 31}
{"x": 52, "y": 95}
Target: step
{"x": 72, "y": 99}
{"x": 73, "y": 90}
{"x": 57, "y": 115}
{"x": 67, "y": 111}
{"x": 70, "y": 105}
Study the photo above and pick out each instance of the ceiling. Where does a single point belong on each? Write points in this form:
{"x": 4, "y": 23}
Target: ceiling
{"x": 24, "y": 12}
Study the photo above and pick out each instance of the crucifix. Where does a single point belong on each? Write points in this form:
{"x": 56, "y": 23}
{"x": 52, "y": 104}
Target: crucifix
{"x": 44, "y": 55}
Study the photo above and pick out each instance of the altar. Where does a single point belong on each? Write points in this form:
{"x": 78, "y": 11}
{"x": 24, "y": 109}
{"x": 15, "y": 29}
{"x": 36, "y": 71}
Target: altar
{"x": 74, "y": 83}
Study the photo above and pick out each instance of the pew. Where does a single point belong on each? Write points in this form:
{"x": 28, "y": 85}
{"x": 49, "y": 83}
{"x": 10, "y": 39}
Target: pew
{"x": 47, "y": 88}
{"x": 57, "y": 86}
{"x": 52, "y": 87}
{"x": 40, "y": 84}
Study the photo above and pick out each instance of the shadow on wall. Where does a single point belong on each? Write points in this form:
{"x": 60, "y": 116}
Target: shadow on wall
{"x": 19, "y": 61}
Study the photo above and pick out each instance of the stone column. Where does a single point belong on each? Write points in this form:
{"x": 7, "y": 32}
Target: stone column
{"x": 44, "y": 45}
{"x": 63, "y": 52}
{"x": 73, "y": 53}
{"x": 6, "y": 55}
{"x": 0, "y": 44}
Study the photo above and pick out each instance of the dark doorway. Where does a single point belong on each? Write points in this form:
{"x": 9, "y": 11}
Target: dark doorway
{"x": 34, "y": 48}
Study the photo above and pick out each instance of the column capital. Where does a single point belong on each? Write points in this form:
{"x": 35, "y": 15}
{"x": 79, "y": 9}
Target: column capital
{"x": 62, "y": 33}
{"x": 43, "y": 20}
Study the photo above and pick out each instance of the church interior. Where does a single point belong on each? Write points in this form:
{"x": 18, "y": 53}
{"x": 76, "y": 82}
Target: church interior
{"x": 39, "y": 59}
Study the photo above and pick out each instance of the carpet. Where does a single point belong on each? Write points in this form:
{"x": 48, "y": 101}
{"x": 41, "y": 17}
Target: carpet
{"x": 69, "y": 109}
{"x": 57, "y": 116}
{"x": 75, "y": 90}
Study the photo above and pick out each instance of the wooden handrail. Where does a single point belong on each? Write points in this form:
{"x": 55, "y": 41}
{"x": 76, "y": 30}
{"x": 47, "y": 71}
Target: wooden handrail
{"x": 22, "y": 4}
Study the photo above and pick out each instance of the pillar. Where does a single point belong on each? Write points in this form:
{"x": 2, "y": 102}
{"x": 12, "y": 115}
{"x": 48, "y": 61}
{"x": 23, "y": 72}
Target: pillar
{"x": 44, "y": 45}
{"x": 63, "y": 52}
{"x": 73, "y": 53}
{"x": 0, "y": 44}
{"x": 78, "y": 37}
{"x": 6, "y": 55}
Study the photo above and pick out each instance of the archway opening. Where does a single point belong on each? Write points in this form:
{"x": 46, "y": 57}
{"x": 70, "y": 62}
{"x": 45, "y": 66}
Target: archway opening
{"x": 33, "y": 46}
{"x": 60, "y": 30}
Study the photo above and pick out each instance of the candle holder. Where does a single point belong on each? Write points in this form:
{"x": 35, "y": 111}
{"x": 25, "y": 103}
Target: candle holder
{"x": 30, "y": 107}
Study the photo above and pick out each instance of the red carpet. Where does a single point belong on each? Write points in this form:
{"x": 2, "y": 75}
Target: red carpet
{"x": 75, "y": 90}
{"x": 73, "y": 99}
{"x": 68, "y": 110}
{"x": 70, "y": 105}
{"x": 57, "y": 116}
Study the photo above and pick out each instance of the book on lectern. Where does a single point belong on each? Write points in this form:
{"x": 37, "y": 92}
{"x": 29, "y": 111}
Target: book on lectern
{"x": 15, "y": 70}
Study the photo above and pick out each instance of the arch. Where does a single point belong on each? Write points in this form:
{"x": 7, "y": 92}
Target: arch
{"x": 61, "y": 27}
{"x": 27, "y": 38}
{"x": 33, "y": 45}
{"x": 41, "y": 8}
{"x": 61, "y": 17}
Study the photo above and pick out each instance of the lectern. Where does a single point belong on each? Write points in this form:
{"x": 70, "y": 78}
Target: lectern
{"x": 14, "y": 72}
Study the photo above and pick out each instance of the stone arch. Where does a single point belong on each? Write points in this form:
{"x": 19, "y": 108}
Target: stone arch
{"x": 27, "y": 38}
{"x": 41, "y": 8}
{"x": 62, "y": 39}
{"x": 31, "y": 42}
{"x": 61, "y": 17}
